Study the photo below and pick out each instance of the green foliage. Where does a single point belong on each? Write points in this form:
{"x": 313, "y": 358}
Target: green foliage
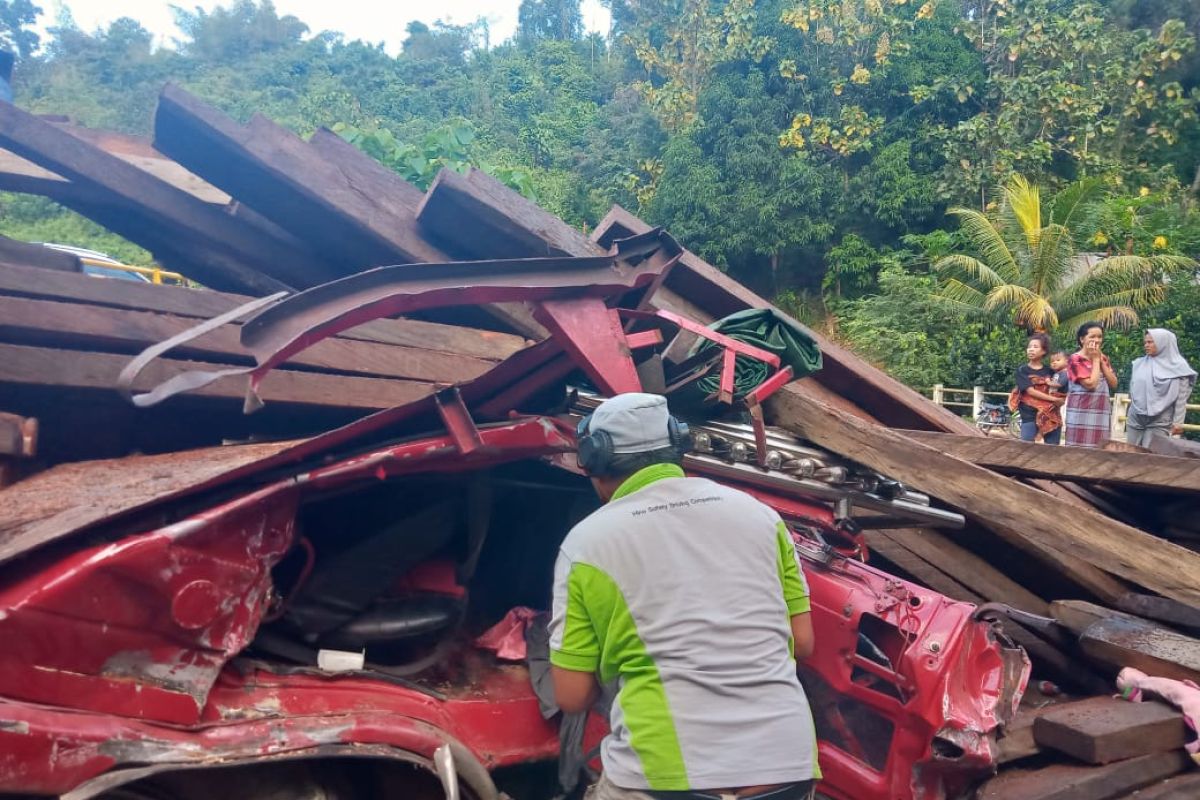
{"x": 1067, "y": 94}
{"x": 891, "y": 191}
{"x": 852, "y": 265}
{"x": 17, "y": 18}
{"x": 682, "y": 42}
{"x": 235, "y": 32}
{"x": 448, "y": 147}
{"x": 915, "y": 338}
{"x": 36, "y": 219}
{"x": 549, "y": 19}
{"x": 1026, "y": 269}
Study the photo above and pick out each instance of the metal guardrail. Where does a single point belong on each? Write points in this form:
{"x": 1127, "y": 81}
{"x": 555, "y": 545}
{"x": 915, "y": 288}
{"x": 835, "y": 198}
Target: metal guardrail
{"x": 1121, "y": 401}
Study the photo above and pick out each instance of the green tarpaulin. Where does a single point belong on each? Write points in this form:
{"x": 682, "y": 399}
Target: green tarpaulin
{"x": 765, "y": 329}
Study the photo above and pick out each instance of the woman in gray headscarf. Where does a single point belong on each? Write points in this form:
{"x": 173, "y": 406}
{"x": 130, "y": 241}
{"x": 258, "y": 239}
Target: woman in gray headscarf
{"x": 1159, "y": 389}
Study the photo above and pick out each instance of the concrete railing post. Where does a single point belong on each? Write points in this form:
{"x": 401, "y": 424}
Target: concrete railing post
{"x": 976, "y": 401}
{"x": 939, "y": 394}
{"x": 1119, "y": 413}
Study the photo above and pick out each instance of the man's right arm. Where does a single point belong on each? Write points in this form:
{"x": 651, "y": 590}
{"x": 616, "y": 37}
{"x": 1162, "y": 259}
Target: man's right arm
{"x": 795, "y": 594}
{"x": 802, "y": 635}
{"x": 574, "y": 646}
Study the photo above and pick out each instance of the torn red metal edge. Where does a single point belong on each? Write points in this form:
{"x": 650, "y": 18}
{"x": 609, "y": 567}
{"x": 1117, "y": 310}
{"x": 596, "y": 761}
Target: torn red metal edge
{"x": 288, "y": 326}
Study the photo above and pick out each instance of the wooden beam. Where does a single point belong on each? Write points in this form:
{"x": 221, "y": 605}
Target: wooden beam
{"x": 969, "y": 569}
{"x": 1079, "y": 615}
{"x": 25, "y": 254}
{"x": 402, "y": 199}
{"x": 1014, "y": 457}
{"x": 503, "y": 224}
{"x": 139, "y": 152}
{"x": 355, "y": 218}
{"x": 1181, "y": 787}
{"x": 1073, "y": 542}
{"x": 203, "y": 304}
{"x": 813, "y": 388}
{"x": 1100, "y": 730}
{"x": 1117, "y": 640}
{"x": 253, "y": 264}
{"x": 845, "y": 373}
{"x": 175, "y": 249}
{"x": 39, "y": 366}
{"x": 1155, "y": 650}
{"x": 354, "y": 211}
{"x": 1170, "y": 446}
{"x": 96, "y": 328}
{"x": 1072, "y": 782}
{"x": 1016, "y": 741}
{"x": 1161, "y": 609}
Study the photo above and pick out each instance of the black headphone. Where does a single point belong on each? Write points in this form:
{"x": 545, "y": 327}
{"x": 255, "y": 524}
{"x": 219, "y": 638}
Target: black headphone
{"x": 595, "y": 450}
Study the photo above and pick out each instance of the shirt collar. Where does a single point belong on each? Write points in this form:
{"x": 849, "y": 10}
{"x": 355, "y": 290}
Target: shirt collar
{"x": 646, "y": 476}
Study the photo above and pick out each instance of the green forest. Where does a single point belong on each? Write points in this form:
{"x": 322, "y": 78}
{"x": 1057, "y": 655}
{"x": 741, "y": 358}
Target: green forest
{"x": 919, "y": 178}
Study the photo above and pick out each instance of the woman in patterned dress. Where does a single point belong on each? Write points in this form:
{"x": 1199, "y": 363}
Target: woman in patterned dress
{"x": 1089, "y": 409}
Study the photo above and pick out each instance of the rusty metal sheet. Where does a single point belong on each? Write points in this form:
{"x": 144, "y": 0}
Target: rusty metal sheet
{"x": 71, "y": 497}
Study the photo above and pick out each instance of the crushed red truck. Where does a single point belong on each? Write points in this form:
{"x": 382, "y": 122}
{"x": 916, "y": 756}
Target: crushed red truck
{"x": 171, "y": 642}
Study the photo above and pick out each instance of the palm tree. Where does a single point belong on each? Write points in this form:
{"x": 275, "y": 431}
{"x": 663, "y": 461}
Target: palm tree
{"x": 1028, "y": 270}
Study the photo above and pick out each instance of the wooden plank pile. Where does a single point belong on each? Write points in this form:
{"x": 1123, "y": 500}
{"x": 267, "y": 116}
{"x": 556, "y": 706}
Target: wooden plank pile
{"x": 248, "y": 209}
{"x": 1099, "y": 748}
{"x": 64, "y": 338}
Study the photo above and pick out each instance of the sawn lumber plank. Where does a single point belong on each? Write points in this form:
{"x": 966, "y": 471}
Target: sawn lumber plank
{"x": 1073, "y": 782}
{"x": 1014, "y": 457}
{"x": 40, "y": 366}
{"x": 1017, "y": 512}
{"x": 344, "y": 214}
{"x": 204, "y": 304}
{"x": 1100, "y": 730}
{"x": 1153, "y": 649}
{"x": 249, "y": 261}
{"x": 96, "y": 328}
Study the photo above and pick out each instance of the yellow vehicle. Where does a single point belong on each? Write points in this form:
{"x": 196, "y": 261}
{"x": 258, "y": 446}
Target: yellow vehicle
{"x": 99, "y": 265}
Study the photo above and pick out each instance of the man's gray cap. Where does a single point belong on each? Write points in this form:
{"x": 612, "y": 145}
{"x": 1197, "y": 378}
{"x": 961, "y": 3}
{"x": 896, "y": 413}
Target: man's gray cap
{"x": 637, "y": 422}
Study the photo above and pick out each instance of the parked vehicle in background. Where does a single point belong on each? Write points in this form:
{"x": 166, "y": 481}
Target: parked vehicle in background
{"x": 997, "y": 416}
{"x": 101, "y": 265}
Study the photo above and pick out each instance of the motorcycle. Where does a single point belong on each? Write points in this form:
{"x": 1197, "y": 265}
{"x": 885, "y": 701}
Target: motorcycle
{"x": 997, "y": 416}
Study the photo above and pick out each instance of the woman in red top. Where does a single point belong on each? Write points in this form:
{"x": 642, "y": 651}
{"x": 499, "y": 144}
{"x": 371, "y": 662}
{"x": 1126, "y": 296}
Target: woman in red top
{"x": 1089, "y": 409}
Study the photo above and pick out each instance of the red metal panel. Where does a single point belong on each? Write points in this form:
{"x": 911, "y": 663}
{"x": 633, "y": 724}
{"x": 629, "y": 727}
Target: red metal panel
{"x": 457, "y": 420}
{"x": 636, "y": 341}
{"x": 592, "y": 336}
{"x": 142, "y": 627}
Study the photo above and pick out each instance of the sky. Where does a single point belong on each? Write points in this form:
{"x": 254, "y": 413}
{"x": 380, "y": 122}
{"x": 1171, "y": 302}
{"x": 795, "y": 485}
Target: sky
{"x": 370, "y": 20}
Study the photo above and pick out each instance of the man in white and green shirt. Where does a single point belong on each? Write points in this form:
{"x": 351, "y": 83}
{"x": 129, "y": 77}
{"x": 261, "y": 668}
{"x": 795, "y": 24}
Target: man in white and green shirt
{"x": 687, "y": 593}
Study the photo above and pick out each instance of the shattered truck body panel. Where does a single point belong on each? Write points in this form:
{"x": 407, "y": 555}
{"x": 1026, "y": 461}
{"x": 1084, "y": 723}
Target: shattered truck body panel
{"x": 124, "y": 654}
{"x": 176, "y": 628}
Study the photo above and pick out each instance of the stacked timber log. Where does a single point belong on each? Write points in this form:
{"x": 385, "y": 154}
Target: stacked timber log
{"x": 1057, "y": 540}
{"x": 65, "y": 337}
{"x": 1099, "y": 748}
